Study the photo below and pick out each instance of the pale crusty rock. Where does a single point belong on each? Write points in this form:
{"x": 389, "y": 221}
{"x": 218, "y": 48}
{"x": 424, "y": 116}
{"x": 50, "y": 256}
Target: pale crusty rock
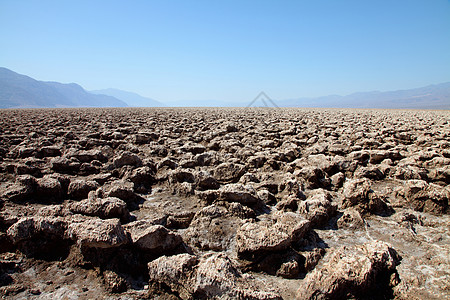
{"x": 107, "y": 208}
{"x": 142, "y": 178}
{"x": 29, "y": 228}
{"x": 87, "y": 155}
{"x": 121, "y": 189}
{"x": 318, "y": 209}
{"x": 211, "y": 276}
{"x": 98, "y": 233}
{"x": 274, "y": 235}
{"x": 175, "y": 272}
{"x": 337, "y": 180}
{"x": 355, "y": 191}
{"x": 22, "y": 189}
{"x": 358, "y": 193}
{"x": 352, "y": 272}
{"x": 441, "y": 174}
{"x": 205, "y": 181}
{"x": 113, "y": 282}
{"x": 428, "y": 197}
{"x": 213, "y": 227}
{"x": 289, "y": 154}
{"x": 350, "y": 218}
{"x": 154, "y": 238}
{"x": 79, "y": 188}
{"x": 48, "y": 188}
{"x": 127, "y": 158}
{"x": 64, "y": 165}
{"x": 228, "y": 172}
{"x": 236, "y": 192}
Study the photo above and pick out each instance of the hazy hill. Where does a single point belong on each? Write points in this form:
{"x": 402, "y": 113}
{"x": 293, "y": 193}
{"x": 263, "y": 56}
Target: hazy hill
{"x": 20, "y": 91}
{"x": 436, "y": 96}
{"x": 132, "y": 99}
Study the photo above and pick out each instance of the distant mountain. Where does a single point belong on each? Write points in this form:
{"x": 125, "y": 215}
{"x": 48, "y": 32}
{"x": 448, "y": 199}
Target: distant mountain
{"x": 132, "y": 99}
{"x": 435, "y": 96}
{"x": 20, "y": 91}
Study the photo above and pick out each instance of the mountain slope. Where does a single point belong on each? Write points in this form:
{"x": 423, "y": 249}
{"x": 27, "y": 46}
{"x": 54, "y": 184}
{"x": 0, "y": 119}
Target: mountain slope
{"x": 132, "y": 99}
{"x": 20, "y": 91}
{"x": 435, "y": 96}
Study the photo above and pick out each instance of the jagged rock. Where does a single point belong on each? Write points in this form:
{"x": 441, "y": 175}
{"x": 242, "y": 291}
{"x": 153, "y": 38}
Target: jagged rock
{"x": 266, "y": 197}
{"x": 85, "y": 156}
{"x": 113, "y": 282}
{"x": 312, "y": 258}
{"x": 426, "y": 197}
{"x": 31, "y": 227}
{"x": 211, "y": 276}
{"x": 167, "y": 162}
{"x": 257, "y": 161}
{"x": 127, "y": 159}
{"x": 240, "y": 211}
{"x": 288, "y": 204}
{"x": 205, "y": 181}
{"x": 155, "y": 238}
{"x": 410, "y": 172}
{"x": 107, "y": 208}
{"x": 318, "y": 161}
{"x": 181, "y": 175}
{"x": 289, "y": 269}
{"x": 252, "y": 238}
{"x": 359, "y": 156}
{"x": 313, "y": 177}
{"x": 318, "y": 209}
{"x": 228, "y": 172}
{"x": 353, "y": 272}
{"x": 358, "y": 193}
{"x": 121, "y": 189}
{"x": 212, "y": 228}
{"x": 50, "y": 151}
{"x": 64, "y": 165}
{"x": 22, "y": 189}
{"x": 144, "y": 137}
{"x": 48, "y": 188}
{"x": 235, "y": 192}
{"x": 351, "y": 218}
{"x": 290, "y": 187}
{"x": 142, "y": 178}
{"x": 97, "y": 233}
{"x": 180, "y": 220}
{"x": 193, "y": 148}
{"x": 79, "y": 188}
{"x": 24, "y": 152}
{"x": 337, "y": 180}
{"x": 206, "y": 158}
{"x": 371, "y": 172}
{"x": 42, "y": 237}
{"x": 440, "y": 175}
{"x": 377, "y": 156}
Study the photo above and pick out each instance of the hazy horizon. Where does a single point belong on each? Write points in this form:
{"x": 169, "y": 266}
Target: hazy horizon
{"x": 229, "y": 51}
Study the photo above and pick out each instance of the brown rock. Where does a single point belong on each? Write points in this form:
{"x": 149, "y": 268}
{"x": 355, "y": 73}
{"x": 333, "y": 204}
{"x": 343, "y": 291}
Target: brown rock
{"x": 97, "y": 233}
{"x": 350, "y": 272}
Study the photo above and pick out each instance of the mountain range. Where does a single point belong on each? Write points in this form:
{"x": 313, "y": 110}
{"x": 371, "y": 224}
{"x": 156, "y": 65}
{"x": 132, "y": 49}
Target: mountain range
{"x": 132, "y": 99}
{"x": 436, "y": 96}
{"x": 20, "y": 91}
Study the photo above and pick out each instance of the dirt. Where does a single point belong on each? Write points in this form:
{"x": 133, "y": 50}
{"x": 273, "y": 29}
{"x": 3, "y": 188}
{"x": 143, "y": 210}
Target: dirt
{"x": 352, "y": 177}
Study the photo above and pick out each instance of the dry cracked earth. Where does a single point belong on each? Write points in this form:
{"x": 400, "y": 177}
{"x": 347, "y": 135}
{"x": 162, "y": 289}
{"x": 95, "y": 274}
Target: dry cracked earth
{"x": 224, "y": 204}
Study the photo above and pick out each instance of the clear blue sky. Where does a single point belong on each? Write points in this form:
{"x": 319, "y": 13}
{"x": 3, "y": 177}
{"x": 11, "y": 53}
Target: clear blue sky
{"x": 229, "y": 50}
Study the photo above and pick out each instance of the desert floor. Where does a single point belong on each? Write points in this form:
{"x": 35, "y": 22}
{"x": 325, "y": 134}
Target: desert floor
{"x": 224, "y": 203}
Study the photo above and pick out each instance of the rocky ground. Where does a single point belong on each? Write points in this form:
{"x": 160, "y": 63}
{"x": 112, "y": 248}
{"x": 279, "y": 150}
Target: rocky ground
{"x": 224, "y": 204}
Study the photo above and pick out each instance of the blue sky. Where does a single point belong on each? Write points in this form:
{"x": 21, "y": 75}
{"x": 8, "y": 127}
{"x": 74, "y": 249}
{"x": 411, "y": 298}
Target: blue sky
{"x": 229, "y": 50}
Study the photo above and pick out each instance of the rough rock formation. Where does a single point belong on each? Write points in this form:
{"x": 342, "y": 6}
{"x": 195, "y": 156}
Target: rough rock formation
{"x": 224, "y": 204}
